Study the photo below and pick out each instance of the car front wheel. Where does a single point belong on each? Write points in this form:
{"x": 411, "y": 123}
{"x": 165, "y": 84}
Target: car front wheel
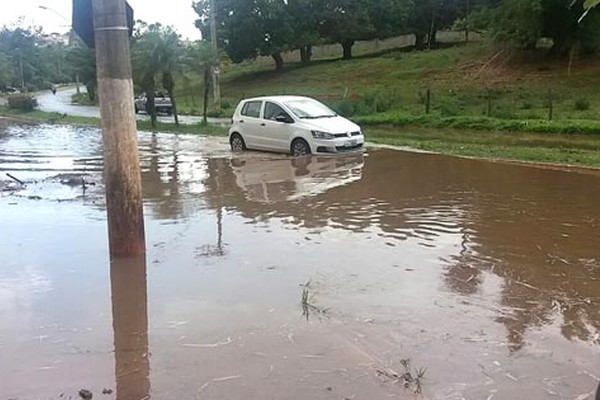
{"x": 237, "y": 142}
{"x": 300, "y": 148}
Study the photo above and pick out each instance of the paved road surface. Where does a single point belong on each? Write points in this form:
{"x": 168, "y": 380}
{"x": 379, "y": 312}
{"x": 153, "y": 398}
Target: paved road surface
{"x": 61, "y": 103}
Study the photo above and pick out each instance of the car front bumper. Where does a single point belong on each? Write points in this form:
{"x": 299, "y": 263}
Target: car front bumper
{"x": 338, "y": 145}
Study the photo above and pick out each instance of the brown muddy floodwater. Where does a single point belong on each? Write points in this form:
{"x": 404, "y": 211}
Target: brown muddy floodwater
{"x": 459, "y": 278}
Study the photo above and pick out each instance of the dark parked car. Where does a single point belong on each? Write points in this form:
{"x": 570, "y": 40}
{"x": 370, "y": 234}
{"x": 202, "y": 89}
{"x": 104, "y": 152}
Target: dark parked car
{"x": 162, "y": 103}
{"x": 8, "y": 89}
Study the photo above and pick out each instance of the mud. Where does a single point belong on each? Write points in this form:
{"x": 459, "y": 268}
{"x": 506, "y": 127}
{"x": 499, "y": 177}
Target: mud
{"x": 423, "y": 276}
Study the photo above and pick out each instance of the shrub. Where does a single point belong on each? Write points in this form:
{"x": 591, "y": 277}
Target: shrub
{"x": 225, "y": 104}
{"x": 582, "y": 104}
{"x": 448, "y": 109}
{"x": 362, "y": 107}
{"x": 526, "y": 105}
{"x": 387, "y": 100}
{"x": 345, "y": 108}
{"x": 22, "y": 102}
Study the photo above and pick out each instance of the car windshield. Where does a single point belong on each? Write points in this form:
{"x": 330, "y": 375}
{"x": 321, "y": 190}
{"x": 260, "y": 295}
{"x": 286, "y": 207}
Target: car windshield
{"x": 310, "y": 109}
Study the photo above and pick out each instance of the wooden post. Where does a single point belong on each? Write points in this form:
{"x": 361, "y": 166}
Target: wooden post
{"x": 427, "y": 101}
{"x": 489, "y": 103}
{"x": 122, "y": 176}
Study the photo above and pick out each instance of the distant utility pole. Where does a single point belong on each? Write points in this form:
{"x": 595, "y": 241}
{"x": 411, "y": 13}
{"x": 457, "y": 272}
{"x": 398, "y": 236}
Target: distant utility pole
{"x": 122, "y": 176}
{"x": 216, "y": 70}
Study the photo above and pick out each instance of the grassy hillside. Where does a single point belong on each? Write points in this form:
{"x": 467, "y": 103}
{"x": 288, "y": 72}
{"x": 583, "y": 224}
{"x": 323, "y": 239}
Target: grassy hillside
{"x": 465, "y": 80}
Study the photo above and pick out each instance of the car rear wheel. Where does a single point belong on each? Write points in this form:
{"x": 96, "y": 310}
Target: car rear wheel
{"x": 300, "y": 148}
{"x": 237, "y": 142}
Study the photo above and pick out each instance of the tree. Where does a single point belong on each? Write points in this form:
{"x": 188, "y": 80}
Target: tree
{"x": 21, "y": 45}
{"x": 518, "y": 22}
{"x": 345, "y": 22}
{"x": 200, "y": 57}
{"x": 305, "y": 16}
{"x": 348, "y": 21}
{"x": 31, "y": 59}
{"x": 156, "y": 50}
{"x": 523, "y": 22}
{"x": 249, "y": 28}
{"x": 429, "y": 16}
{"x": 7, "y": 76}
{"x": 82, "y": 60}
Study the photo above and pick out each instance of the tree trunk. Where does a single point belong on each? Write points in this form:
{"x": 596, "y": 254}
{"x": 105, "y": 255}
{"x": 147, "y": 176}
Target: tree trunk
{"x": 122, "y": 176}
{"x": 148, "y": 85}
{"x": 169, "y": 84}
{"x": 305, "y": 54}
{"x": 174, "y": 103}
{"x": 347, "y": 46}
{"x": 561, "y": 47}
{"x": 91, "y": 87}
{"x": 278, "y": 61}
{"x": 432, "y": 42}
{"x": 206, "y": 87}
{"x": 419, "y": 41}
{"x": 432, "y": 30}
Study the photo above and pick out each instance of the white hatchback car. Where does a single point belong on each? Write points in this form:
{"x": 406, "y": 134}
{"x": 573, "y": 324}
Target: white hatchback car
{"x": 292, "y": 124}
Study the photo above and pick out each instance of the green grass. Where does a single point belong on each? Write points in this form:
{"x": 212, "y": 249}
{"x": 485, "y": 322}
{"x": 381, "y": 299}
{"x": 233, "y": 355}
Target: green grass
{"x": 83, "y": 99}
{"x": 483, "y": 123}
{"x": 564, "y": 149}
{"x": 56, "y": 118}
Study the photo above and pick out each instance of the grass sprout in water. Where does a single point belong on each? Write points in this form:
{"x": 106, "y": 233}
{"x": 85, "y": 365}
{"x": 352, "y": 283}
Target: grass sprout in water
{"x": 410, "y": 379}
{"x": 307, "y": 303}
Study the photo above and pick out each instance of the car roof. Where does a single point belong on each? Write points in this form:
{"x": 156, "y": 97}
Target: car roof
{"x": 280, "y": 98}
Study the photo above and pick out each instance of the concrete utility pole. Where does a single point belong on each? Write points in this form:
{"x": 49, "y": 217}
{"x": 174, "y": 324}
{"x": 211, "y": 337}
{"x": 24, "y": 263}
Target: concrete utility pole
{"x": 122, "y": 176}
{"x": 216, "y": 70}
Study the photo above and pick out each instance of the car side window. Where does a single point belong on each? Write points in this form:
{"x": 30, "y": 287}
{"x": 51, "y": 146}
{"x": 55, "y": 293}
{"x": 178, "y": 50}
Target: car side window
{"x": 252, "y": 109}
{"x": 272, "y": 111}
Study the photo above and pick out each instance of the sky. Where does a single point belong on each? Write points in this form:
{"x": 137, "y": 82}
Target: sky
{"x": 56, "y": 17}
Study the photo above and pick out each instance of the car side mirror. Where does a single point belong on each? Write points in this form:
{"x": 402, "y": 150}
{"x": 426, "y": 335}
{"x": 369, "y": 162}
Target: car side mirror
{"x": 284, "y": 118}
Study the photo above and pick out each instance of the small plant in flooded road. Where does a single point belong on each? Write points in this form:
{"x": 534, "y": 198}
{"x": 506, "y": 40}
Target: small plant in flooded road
{"x": 307, "y": 304}
{"x": 411, "y": 378}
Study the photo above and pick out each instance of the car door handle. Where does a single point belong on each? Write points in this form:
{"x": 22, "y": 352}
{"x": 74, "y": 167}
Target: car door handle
{"x": 263, "y": 124}
{"x": 241, "y": 121}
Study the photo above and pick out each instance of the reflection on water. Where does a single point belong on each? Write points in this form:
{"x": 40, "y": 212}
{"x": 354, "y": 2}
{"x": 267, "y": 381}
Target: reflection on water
{"x": 270, "y": 180}
{"x": 535, "y": 229}
{"x": 130, "y": 326}
{"x": 468, "y": 263}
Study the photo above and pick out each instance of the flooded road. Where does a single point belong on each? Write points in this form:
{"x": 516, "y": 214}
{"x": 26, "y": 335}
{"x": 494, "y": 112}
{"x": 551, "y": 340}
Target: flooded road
{"x": 388, "y": 275}
{"x": 61, "y": 103}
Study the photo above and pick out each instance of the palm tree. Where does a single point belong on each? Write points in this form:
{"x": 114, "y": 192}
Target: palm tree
{"x": 157, "y": 50}
{"x": 201, "y": 58}
{"x": 170, "y": 57}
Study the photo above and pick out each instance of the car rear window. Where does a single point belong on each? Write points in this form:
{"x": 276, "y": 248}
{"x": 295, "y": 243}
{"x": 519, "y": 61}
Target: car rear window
{"x": 252, "y": 109}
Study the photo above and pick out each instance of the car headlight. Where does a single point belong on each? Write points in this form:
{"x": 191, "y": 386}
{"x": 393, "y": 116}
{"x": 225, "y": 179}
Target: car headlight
{"x": 321, "y": 135}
